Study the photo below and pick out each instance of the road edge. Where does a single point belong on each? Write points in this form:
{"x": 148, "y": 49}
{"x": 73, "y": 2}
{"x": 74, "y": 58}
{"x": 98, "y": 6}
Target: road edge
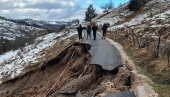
{"x": 142, "y": 85}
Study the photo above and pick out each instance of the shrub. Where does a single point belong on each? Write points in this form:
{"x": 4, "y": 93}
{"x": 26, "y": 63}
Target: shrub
{"x": 136, "y": 4}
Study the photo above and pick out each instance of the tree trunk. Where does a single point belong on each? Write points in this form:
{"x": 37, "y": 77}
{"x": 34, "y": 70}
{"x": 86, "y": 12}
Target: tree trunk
{"x": 4, "y": 48}
{"x": 133, "y": 36}
{"x": 136, "y": 39}
{"x": 158, "y": 47}
{"x": 147, "y": 44}
{"x": 168, "y": 59}
{"x": 138, "y": 42}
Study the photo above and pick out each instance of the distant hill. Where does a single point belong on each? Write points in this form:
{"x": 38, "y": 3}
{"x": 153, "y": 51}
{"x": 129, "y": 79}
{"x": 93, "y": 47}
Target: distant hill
{"x": 49, "y": 25}
{"x": 16, "y": 33}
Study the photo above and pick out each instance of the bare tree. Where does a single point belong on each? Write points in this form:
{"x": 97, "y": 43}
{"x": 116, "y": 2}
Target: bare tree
{"x": 158, "y": 46}
{"x": 4, "y": 45}
{"x": 161, "y": 32}
{"x": 133, "y": 36}
{"x": 108, "y": 6}
{"x": 147, "y": 42}
{"x": 168, "y": 51}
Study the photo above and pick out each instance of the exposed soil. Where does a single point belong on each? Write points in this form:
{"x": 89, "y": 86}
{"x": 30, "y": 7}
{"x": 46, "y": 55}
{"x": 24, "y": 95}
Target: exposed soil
{"x": 67, "y": 75}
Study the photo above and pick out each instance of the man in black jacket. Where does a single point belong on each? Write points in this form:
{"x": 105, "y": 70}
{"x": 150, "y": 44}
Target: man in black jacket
{"x": 94, "y": 28}
{"x": 88, "y": 31}
{"x": 80, "y": 30}
{"x": 104, "y": 28}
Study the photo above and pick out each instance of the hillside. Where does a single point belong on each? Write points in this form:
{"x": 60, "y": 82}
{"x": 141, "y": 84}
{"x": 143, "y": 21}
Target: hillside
{"x": 23, "y": 45}
{"x": 49, "y": 25}
{"x": 144, "y": 33}
{"x": 26, "y": 30}
{"x": 20, "y": 61}
{"x": 10, "y": 30}
{"x": 13, "y": 28}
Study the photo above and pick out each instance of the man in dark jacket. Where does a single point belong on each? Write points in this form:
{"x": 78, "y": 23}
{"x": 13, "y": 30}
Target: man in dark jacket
{"x": 80, "y": 30}
{"x": 94, "y": 28}
{"x": 88, "y": 31}
{"x": 104, "y": 28}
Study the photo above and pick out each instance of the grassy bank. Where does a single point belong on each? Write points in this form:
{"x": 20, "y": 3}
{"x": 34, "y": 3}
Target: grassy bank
{"x": 155, "y": 68}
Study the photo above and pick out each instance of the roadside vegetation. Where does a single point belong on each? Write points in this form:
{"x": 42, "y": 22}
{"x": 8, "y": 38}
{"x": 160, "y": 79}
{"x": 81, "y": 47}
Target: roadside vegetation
{"x": 150, "y": 55}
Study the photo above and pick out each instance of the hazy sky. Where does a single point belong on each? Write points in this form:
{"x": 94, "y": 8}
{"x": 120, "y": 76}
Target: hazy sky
{"x": 49, "y": 9}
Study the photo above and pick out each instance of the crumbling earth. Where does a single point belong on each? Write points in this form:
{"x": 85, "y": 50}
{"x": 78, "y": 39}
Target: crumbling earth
{"x": 70, "y": 74}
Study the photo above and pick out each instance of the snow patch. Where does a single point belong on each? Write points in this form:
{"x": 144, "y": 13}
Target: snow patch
{"x": 8, "y": 56}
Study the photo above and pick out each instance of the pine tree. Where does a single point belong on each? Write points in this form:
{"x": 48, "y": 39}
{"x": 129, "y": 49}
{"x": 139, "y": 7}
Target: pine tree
{"x": 90, "y": 13}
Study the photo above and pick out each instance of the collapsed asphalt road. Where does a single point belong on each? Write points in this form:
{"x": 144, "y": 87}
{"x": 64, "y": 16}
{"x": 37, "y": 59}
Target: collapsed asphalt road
{"x": 103, "y": 53}
{"x": 107, "y": 56}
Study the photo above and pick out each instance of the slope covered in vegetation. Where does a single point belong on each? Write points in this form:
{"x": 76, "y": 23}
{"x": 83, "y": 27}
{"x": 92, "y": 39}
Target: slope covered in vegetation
{"x": 144, "y": 33}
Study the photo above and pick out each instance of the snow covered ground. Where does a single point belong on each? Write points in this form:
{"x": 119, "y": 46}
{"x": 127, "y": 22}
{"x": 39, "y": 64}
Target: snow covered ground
{"x": 114, "y": 16}
{"x": 12, "y": 63}
{"x": 117, "y": 18}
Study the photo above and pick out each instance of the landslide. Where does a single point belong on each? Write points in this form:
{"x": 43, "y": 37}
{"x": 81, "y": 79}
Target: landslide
{"x": 67, "y": 75}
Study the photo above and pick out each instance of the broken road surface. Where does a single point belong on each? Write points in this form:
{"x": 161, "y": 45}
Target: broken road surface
{"x": 103, "y": 53}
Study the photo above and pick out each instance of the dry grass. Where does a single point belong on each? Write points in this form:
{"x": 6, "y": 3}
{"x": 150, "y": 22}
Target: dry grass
{"x": 156, "y": 69}
{"x": 163, "y": 90}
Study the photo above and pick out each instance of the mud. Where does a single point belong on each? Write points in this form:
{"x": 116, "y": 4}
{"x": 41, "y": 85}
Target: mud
{"x": 70, "y": 74}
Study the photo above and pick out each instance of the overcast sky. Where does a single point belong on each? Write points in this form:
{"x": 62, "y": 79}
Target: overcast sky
{"x": 49, "y": 9}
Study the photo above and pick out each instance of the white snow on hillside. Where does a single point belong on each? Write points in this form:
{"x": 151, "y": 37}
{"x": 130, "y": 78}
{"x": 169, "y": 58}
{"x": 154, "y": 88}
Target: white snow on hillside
{"x": 52, "y": 22}
{"x": 117, "y": 18}
{"x": 8, "y": 55}
{"x": 31, "y": 21}
{"x": 12, "y": 63}
{"x": 135, "y": 21}
{"x": 114, "y": 16}
{"x": 11, "y": 30}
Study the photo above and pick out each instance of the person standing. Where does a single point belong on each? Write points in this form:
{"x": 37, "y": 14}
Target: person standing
{"x": 104, "y": 28}
{"x": 94, "y": 28}
{"x": 88, "y": 31}
{"x": 80, "y": 30}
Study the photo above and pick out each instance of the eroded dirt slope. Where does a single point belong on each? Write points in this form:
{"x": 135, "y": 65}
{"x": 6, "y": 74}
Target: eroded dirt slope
{"x": 68, "y": 75}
